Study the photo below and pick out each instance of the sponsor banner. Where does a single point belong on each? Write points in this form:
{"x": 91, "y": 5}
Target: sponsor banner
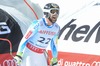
{"x": 7, "y": 60}
{"x": 10, "y": 36}
{"x": 80, "y": 33}
{"x": 76, "y": 59}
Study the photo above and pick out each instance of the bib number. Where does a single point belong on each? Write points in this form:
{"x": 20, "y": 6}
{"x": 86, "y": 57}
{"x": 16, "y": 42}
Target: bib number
{"x": 44, "y": 40}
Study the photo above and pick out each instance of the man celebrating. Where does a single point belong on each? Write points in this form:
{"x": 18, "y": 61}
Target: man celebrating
{"x": 39, "y": 35}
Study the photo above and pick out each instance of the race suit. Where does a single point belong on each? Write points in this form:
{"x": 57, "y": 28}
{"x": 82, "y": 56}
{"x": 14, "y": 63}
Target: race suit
{"x": 36, "y": 40}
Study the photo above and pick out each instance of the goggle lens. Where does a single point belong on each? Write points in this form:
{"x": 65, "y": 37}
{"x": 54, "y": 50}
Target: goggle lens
{"x": 54, "y": 11}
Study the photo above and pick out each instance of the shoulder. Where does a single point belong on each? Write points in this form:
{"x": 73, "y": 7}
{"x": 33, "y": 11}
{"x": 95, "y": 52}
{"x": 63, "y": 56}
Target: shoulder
{"x": 38, "y": 21}
{"x": 57, "y": 26}
{"x": 35, "y": 22}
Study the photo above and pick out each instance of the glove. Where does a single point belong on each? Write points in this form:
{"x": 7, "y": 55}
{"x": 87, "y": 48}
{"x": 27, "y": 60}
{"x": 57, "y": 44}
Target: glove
{"x": 18, "y": 58}
{"x": 54, "y": 62}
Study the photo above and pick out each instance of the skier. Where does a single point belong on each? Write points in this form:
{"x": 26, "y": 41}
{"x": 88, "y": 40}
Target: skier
{"x": 39, "y": 35}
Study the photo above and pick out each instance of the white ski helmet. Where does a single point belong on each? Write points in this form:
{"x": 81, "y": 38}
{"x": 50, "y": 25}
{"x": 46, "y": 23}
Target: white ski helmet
{"x": 48, "y": 9}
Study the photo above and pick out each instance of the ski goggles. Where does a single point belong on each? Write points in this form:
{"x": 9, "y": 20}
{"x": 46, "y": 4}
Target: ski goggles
{"x": 53, "y": 11}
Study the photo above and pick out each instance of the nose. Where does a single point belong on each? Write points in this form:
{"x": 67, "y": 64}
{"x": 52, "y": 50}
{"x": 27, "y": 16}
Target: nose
{"x": 55, "y": 13}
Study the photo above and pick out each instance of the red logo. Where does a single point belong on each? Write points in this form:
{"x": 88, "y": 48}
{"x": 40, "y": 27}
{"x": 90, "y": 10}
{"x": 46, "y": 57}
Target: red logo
{"x": 29, "y": 33}
{"x": 47, "y": 32}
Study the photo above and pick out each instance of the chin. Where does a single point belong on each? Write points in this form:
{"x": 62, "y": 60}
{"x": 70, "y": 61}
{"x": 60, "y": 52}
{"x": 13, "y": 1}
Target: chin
{"x": 54, "y": 21}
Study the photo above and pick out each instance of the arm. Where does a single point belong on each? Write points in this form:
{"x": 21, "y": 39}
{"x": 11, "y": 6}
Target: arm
{"x": 30, "y": 32}
{"x": 53, "y": 46}
{"x": 54, "y": 50}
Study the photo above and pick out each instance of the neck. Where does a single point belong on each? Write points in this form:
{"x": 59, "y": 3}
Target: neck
{"x": 48, "y": 22}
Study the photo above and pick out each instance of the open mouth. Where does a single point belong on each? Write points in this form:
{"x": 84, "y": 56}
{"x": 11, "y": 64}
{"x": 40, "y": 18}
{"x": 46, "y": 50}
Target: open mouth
{"x": 54, "y": 17}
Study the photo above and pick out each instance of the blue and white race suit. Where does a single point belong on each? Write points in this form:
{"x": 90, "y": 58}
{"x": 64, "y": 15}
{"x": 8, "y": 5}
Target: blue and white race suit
{"x": 37, "y": 38}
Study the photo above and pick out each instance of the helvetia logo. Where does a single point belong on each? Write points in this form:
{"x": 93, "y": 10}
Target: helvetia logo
{"x": 87, "y": 32}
